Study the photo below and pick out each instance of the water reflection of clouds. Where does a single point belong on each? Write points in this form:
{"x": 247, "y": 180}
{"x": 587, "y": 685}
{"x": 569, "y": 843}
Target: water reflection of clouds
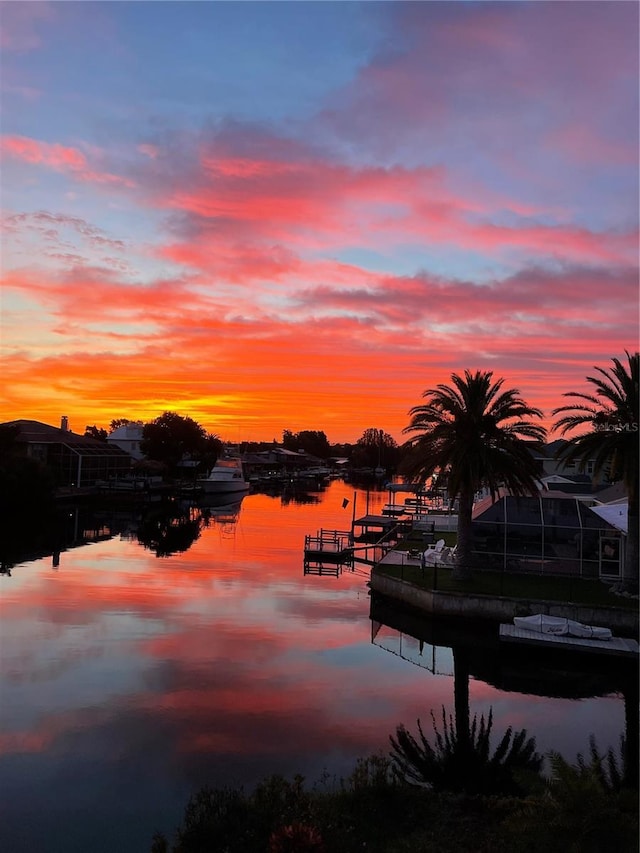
{"x": 220, "y": 666}
{"x": 558, "y": 724}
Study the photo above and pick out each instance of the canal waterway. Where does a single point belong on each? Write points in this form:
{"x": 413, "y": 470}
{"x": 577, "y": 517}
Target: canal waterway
{"x": 170, "y": 652}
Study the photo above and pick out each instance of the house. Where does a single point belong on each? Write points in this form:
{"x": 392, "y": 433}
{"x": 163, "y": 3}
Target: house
{"x": 128, "y": 437}
{"x": 552, "y": 532}
{"x": 573, "y": 484}
{"x": 551, "y": 465}
{"x": 75, "y": 460}
{"x": 277, "y": 462}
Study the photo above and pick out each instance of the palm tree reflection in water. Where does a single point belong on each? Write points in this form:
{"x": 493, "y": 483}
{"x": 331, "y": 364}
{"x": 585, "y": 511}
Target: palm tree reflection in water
{"x": 460, "y": 757}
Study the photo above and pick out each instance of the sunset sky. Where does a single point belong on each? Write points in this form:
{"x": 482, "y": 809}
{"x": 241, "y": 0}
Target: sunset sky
{"x": 272, "y": 216}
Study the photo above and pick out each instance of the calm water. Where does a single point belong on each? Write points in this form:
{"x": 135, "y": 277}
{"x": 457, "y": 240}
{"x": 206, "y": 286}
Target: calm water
{"x": 128, "y": 679}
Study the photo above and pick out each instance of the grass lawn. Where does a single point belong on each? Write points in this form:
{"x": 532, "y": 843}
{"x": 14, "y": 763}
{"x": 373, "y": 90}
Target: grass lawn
{"x": 527, "y": 586}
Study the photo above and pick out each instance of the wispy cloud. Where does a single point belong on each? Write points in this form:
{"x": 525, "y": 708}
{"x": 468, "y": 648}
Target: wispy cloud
{"x": 60, "y": 158}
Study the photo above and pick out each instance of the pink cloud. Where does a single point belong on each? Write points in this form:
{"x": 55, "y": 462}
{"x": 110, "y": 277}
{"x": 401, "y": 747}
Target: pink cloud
{"x": 313, "y": 204}
{"x": 60, "y": 158}
{"x": 517, "y": 300}
{"x": 494, "y": 86}
{"x": 239, "y": 263}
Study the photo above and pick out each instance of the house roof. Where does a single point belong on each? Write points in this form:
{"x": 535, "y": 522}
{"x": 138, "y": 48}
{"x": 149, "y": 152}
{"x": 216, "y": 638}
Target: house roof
{"x": 616, "y": 492}
{"x": 617, "y": 515}
{"x": 569, "y": 487}
{"x": 128, "y": 432}
{"x": 485, "y": 503}
{"x": 35, "y": 432}
{"x": 547, "y": 451}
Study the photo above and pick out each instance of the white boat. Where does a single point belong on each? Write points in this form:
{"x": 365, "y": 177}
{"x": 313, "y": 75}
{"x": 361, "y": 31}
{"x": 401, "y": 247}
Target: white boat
{"x": 226, "y": 477}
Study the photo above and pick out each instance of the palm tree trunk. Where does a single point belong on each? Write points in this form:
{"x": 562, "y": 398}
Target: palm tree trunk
{"x": 462, "y": 567}
{"x": 461, "y": 698}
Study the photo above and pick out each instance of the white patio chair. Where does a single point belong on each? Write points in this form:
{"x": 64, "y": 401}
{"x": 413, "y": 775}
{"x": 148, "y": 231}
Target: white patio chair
{"x": 443, "y": 557}
{"x": 447, "y": 556}
{"x": 432, "y": 554}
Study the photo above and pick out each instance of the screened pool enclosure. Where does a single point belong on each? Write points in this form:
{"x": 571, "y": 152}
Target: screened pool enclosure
{"x": 550, "y": 533}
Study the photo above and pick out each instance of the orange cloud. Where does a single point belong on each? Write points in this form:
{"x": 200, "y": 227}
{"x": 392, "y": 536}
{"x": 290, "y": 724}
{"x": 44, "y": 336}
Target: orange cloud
{"x": 328, "y": 357}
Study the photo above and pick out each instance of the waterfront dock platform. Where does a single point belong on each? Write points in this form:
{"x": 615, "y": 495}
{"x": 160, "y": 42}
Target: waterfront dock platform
{"x": 395, "y": 557}
{"x": 328, "y": 546}
{"x": 621, "y": 646}
{"x": 399, "y": 575}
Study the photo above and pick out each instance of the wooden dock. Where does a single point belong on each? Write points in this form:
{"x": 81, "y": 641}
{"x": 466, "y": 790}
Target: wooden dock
{"x": 377, "y": 528}
{"x": 620, "y": 646}
{"x": 328, "y": 546}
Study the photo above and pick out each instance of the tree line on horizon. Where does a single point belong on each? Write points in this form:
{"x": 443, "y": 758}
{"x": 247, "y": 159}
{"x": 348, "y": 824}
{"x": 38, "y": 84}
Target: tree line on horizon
{"x": 170, "y": 433}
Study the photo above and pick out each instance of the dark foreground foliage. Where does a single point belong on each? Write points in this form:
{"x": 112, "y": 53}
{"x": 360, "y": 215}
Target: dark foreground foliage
{"x": 582, "y": 808}
{"x": 466, "y": 764}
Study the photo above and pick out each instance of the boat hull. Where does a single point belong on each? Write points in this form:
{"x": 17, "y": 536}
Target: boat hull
{"x": 222, "y": 487}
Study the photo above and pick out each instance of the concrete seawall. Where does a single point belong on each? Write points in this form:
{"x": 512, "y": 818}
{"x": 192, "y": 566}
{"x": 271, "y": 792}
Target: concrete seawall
{"x": 502, "y": 609}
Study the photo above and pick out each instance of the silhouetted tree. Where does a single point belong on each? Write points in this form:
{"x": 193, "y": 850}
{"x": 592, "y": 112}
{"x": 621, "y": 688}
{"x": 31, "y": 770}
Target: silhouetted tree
{"x": 472, "y": 433}
{"x": 167, "y": 533}
{"x": 26, "y": 497}
{"x": 210, "y": 451}
{"x": 310, "y": 441}
{"x": 612, "y": 416}
{"x": 25, "y": 483}
{"x": 375, "y": 447}
{"x": 95, "y": 432}
{"x": 170, "y": 437}
{"x": 9, "y": 444}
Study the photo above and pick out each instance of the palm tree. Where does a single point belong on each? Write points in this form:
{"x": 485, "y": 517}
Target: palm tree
{"x": 473, "y": 433}
{"x": 611, "y": 442}
{"x": 452, "y": 764}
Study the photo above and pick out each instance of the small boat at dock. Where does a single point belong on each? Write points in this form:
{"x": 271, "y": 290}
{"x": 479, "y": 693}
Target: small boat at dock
{"x": 565, "y": 634}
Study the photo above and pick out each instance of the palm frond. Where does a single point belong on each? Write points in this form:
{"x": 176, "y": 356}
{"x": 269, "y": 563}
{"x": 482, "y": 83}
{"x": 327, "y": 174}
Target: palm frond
{"x": 612, "y": 413}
